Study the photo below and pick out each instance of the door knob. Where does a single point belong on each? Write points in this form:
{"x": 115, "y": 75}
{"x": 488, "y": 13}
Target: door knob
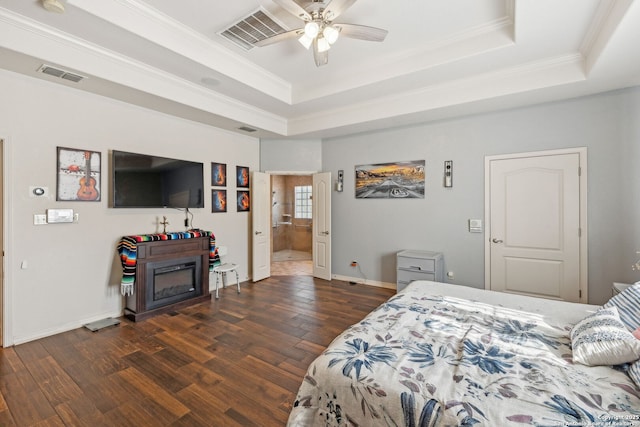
{"x": 494, "y": 240}
{"x": 258, "y": 232}
{"x": 326, "y": 233}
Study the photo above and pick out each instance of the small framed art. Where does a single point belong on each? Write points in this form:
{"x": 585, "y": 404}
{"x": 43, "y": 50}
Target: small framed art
{"x": 78, "y": 175}
{"x": 218, "y": 174}
{"x": 244, "y": 201}
{"x": 218, "y": 201}
{"x": 242, "y": 176}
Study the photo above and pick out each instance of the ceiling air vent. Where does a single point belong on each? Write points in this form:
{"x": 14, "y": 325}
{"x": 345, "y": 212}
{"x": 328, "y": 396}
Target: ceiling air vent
{"x": 247, "y": 129}
{"x": 62, "y": 74}
{"x": 251, "y": 29}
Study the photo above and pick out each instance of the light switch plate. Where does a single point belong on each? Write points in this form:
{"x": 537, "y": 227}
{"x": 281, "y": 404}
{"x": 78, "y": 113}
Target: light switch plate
{"x": 59, "y": 215}
{"x": 39, "y": 219}
{"x": 475, "y": 226}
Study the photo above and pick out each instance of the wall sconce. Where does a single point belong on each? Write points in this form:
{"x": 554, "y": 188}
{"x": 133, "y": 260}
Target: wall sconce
{"x": 340, "y": 181}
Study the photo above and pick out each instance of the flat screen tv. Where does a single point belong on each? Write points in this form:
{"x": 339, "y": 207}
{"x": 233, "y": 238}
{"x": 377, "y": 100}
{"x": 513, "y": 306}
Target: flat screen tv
{"x": 145, "y": 181}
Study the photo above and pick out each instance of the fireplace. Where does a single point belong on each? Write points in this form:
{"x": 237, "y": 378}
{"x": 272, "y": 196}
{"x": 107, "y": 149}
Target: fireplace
{"x": 172, "y": 281}
{"x": 170, "y": 274}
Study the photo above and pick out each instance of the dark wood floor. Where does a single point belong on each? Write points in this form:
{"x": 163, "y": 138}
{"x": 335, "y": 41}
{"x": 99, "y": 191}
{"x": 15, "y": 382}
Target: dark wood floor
{"x": 237, "y": 361}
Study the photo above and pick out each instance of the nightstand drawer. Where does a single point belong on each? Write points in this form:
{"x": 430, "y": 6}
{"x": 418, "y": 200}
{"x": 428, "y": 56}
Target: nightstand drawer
{"x": 409, "y": 276}
{"x": 417, "y": 264}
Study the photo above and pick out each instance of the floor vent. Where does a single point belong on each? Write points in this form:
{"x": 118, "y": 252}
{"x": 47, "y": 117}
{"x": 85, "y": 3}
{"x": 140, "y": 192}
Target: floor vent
{"x": 253, "y": 28}
{"x": 62, "y": 74}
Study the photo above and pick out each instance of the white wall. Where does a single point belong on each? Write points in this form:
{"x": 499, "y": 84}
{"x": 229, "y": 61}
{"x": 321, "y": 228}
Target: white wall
{"x": 72, "y": 271}
{"x": 372, "y": 231}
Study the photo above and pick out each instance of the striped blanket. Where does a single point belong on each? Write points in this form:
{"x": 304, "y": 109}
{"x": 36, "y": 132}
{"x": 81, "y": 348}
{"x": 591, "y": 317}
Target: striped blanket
{"x": 128, "y": 248}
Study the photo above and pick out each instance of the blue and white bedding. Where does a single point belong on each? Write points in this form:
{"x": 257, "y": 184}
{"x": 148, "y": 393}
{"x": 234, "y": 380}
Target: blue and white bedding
{"x": 427, "y": 359}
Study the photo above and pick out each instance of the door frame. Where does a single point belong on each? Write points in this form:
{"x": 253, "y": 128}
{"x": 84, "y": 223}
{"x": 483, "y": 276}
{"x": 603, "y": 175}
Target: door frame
{"x": 6, "y": 314}
{"x": 583, "y": 245}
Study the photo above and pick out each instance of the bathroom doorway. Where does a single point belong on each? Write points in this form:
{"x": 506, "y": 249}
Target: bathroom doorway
{"x": 291, "y": 225}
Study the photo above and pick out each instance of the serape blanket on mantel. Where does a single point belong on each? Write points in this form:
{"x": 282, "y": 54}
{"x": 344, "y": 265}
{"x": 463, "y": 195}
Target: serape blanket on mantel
{"x": 128, "y": 252}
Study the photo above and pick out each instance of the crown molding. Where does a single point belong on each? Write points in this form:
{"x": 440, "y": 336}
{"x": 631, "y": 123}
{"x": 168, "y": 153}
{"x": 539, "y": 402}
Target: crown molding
{"x": 150, "y": 24}
{"x": 554, "y": 71}
{"x": 606, "y": 21}
{"x": 496, "y": 34}
{"x": 34, "y": 39}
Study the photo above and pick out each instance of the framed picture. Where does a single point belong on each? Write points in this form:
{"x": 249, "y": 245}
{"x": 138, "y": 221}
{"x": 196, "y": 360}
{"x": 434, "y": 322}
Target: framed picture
{"x": 244, "y": 201}
{"x": 242, "y": 176}
{"x": 78, "y": 175}
{"x": 398, "y": 180}
{"x": 218, "y": 201}
{"x": 218, "y": 174}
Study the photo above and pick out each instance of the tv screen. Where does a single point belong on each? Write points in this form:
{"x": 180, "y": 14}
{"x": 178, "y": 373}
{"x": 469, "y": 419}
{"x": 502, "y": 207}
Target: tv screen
{"x": 145, "y": 181}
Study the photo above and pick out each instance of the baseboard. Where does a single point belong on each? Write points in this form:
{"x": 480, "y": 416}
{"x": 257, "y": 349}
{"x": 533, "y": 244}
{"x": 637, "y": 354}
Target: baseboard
{"x": 64, "y": 328}
{"x": 362, "y": 281}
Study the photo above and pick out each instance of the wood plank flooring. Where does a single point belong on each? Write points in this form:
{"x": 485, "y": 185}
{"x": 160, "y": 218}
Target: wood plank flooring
{"x": 236, "y": 361}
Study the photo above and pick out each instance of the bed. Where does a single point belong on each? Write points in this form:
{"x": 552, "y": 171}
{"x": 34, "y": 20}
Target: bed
{"x": 443, "y": 355}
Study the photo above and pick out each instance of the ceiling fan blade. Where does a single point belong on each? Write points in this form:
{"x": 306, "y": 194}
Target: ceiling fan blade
{"x": 279, "y": 37}
{"x": 336, "y": 7}
{"x": 362, "y": 32}
{"x": 294, "y": 8}
{"x": 321, "y": 58}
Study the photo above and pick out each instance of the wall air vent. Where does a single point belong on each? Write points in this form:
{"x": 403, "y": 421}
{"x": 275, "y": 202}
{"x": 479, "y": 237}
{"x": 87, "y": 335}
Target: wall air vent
{"x": 251, "y": 29}
{"x": 246, "y": 129}
{"x": 62, "y": 74}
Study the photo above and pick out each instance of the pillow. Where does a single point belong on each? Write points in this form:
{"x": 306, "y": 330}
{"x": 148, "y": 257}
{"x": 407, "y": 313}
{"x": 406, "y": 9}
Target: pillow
{"x": 602, "y": 339}
{"x": 634, "y": 372}
{"x": 628, "y": 304}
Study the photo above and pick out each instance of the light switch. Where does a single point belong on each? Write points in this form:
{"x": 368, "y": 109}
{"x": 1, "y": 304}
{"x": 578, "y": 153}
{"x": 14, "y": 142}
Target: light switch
{"x": 59, "y": 215}
{"x": 475, "y": 226}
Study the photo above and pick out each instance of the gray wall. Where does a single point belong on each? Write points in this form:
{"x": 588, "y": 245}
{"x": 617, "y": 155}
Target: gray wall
{"x": 372, "y": 231}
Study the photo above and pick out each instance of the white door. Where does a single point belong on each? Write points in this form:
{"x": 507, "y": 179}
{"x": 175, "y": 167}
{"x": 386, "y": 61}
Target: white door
{"x": 261, "y": 226}
{"x": 321, "y": 244}
{"x": 534, "y": 226}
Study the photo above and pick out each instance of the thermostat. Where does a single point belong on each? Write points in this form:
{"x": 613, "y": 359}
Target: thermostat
{"x": 38, "y": 191}
{"x": 59, "y": 215}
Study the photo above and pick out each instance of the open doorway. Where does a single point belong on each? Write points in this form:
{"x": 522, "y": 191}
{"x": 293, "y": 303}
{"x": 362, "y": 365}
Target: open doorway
{"x": 291, "y": 225}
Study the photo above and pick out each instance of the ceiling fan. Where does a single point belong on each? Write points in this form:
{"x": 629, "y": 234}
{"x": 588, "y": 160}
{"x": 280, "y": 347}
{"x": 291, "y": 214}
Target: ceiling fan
{"x": 320, "y": 31}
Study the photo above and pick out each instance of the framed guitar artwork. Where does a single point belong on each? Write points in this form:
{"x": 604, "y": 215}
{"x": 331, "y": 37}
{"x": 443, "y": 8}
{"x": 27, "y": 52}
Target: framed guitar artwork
{"x": 79, "y": 175}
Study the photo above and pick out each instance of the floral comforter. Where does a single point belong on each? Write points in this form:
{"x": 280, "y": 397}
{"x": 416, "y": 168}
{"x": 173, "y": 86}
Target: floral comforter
{"x": 424, "y": 360}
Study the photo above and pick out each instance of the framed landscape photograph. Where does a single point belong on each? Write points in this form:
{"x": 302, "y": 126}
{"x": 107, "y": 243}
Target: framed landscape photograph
{"x": 242, "y": 176}
{"x": 244, "y": 201}
{"x": 218, "y": 174}
{"x": 78, "y": 175}
{"x": 218, "y": 201}
{"x": 397, "y": 180}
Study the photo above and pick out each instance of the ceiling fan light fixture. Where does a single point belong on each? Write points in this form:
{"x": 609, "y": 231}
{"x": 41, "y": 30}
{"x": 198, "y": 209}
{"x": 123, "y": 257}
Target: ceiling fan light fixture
{"x": 306, "y": 41}
{"x": 331, "y": 34}
{"x": 312, "y": 29}
{"x": 323, "y": 45}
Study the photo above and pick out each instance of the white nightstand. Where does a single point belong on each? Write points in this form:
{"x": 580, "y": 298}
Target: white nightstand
{"x": 418, "y": 265}
{"x": 619, "y": 287}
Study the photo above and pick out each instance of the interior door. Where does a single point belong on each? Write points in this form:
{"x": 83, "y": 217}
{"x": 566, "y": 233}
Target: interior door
{"x": 534, "y": 226}
{"x": 261, "y": 226}
{"x": 321, "y": 231}
{"x": 1, "y": 243}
